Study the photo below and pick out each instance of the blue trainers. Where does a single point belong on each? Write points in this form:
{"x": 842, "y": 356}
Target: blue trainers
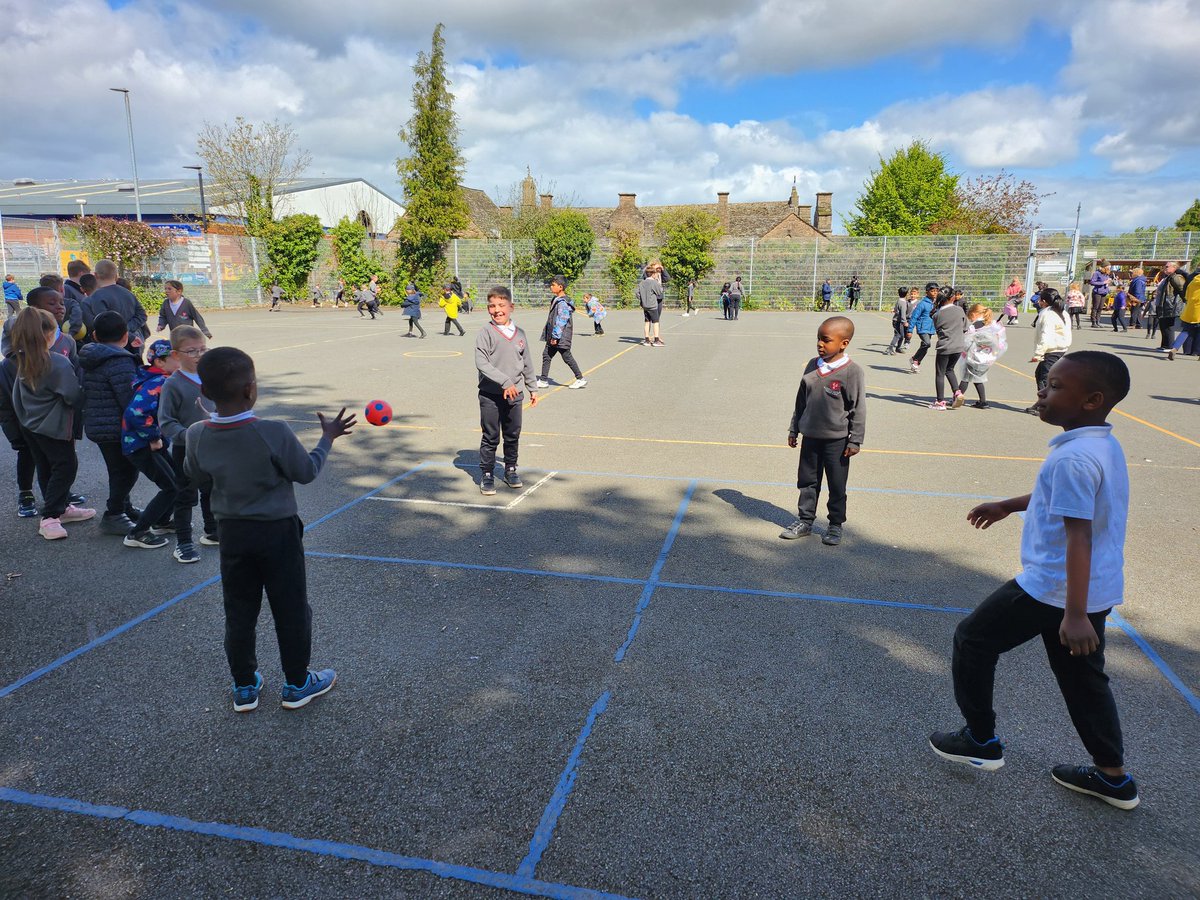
{"x": 316, "y": 684}
{"x": 245, "y": 698}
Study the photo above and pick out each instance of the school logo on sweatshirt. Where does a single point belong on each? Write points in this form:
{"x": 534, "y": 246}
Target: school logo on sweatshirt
{"x": 835, "y": 385}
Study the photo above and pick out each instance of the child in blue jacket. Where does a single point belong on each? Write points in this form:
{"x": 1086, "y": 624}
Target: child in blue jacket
{"x": 143, "y": 443}
{"x": 921, "y": 323}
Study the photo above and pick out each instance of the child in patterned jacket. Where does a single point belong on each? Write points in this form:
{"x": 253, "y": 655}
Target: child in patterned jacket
{"x": 143, "y": 443}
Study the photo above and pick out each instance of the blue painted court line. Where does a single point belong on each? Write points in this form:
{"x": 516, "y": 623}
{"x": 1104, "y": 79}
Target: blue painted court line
{"x": 558, "y": 800}
{"x": 783, "y": 484}
{"x": 336, "y": 849}
{"x": 822, "y": 598}
{"x": 1159, "y": 662}
{"x": 105, "y": 638}
{"x": 473, "y": 567}
{"x": 652, "y": 581}
{"x": 178, "y": 598}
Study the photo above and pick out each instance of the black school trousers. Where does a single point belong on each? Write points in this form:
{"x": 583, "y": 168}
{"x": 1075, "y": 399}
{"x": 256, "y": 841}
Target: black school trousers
{"x": 57, "y": 466}
{"x": 1006, "y": 620}
{"x": 156, "y": 465}
{"x": 498, "y": 417}
{"x": 26, "y": 467}
{"x": 122, "y": 476}
{"x": 187, "y": 496}
{"x": 565, "y": 352}
{"x": 944, "y": 371}
{"x": 926, "y": 340}
{"x": 822, "y": 458}
{"x": 257, "y": 556}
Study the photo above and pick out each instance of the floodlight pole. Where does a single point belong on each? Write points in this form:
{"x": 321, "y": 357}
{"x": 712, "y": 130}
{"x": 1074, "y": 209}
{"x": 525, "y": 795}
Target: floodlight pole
{"x": 203, "y": 207}
{"x": 137, "y": 192}
{"x": 82, "y": 201}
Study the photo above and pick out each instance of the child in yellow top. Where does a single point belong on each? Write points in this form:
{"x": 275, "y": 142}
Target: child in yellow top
{"x": 450, "y": 302}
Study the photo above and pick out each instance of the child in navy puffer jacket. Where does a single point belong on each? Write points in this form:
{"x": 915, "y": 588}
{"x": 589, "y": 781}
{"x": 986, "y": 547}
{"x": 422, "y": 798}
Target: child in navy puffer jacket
{"x": 108, "y": 373}
{"x": 142, "y": 442}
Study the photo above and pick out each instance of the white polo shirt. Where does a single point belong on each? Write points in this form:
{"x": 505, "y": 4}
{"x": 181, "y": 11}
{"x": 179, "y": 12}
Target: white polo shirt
{"x": 1084, "y": 477}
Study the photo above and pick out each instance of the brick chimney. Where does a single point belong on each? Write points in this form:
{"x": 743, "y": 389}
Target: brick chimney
{"x": 626, "y": 203}
{"x": 723, "y": 209}
{"x": 823, "y": 215}
{"x": 545, "y": 201}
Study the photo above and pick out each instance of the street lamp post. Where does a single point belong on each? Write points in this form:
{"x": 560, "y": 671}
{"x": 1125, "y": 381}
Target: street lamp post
{"x": 137, "y": 192}
{"x": 82, "y": 201}
{"x": 203, "y": 207}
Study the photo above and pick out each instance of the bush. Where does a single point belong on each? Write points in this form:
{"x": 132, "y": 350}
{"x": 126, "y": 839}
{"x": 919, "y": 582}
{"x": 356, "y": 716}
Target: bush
{"x": 150, "y": 295}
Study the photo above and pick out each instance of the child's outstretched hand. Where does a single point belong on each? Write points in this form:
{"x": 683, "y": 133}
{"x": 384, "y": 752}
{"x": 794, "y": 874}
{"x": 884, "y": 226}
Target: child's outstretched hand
{"x": 341, "y": 424}
{"x": 986, "y": 514}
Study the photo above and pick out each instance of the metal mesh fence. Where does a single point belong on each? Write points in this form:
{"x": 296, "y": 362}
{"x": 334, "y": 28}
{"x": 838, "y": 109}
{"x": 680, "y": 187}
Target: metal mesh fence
{"x": 222, "y": 270}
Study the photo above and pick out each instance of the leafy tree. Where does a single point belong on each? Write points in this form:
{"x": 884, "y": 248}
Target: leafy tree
{"x": 687, "y": 240}
{"x": 563, "y": 244}
{"x": 293, "y": 244}
{"x": 624, "y": 264}
{"x": 353, "y": 265}
{"x": 431, "y": 174}
{"x": 125, "y": 242}
{"x": 910, "y": 193}
{"x": 1190, "y": 220}
{"x": 245, "y": 163}
{"x": 992, "y": 204}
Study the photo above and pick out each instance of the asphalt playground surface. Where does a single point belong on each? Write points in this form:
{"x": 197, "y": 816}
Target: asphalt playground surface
{"x": 617, "y": 681}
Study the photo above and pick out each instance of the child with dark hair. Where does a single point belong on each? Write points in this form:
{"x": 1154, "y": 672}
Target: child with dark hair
{"x": 450, "y": 302}
{"x": 411, "y": 307}
{"x": 951, "y": 324}
{"x": 831, "y": 415}
{"x": 179, "y": 310}
{"x": 108, "y": 374}
{"x": 900, "y": 320}
{"x": 920, "y": 321}
{"x": 250, "y": 466}
{"x": 1072, "y": 575}
{"x": 1052, "y": 337}
{"x": 559, "y": 332}
{"x": 504, "y": 361}
{"x": 46, "y": 398}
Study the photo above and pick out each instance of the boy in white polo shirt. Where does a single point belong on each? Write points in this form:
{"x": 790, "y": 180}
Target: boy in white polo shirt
{"x": 1072, "y": 559}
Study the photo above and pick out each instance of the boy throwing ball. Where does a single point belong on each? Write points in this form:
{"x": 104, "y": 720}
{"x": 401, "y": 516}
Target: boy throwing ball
{"x": 831, "y": 414}
{"x": 1072, "y": 575}
{"x": 504, "y": 362}
{"x": 249, "y": 465}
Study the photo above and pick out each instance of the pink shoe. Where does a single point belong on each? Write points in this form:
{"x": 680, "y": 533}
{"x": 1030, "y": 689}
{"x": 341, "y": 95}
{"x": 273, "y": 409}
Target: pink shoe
{"x": 938, "y": 404}
{"x": 52, "y": 530}
{"x": 76, "y": 514}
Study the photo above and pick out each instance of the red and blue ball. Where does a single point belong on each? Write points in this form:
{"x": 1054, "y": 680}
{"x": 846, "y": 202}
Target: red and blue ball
{"x": 378, "y": 412}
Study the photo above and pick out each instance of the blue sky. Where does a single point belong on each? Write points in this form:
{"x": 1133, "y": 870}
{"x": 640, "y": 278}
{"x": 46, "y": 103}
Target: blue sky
{"x": 672, "y": 99}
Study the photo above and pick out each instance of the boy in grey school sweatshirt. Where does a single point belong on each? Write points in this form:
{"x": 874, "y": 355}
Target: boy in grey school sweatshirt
{"x": 250, "y": 464}
{"x": 503, "y": 359}
{"x": 831, "y": 415}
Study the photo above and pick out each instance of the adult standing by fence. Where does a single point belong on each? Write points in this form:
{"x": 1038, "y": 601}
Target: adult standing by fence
{"x": 853, "y": 292}
{"x": 1168, "y": 297}
{"x": 736, "y": 292}
{"x": 1099, "y": 281}
{"x": 826, "y": 295}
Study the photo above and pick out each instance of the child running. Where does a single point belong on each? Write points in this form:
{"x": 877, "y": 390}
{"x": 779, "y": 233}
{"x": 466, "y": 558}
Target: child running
{"x": 831, "y": 414}
{"x": 503, "y": 359}
{"x": 179, "y": 310}
{"x": 986, "y": 343}
{"x": 900, "y": 320}
{"x": 180, "y": 407}
{"x": 411, "y": 307}
{"x": 920, "y": 320}
{"x": 558, "y": 333}
{"x": 1072, "y": 561}
{"x": 46, "y": 399}
{"x": 450, "y": 302}
{"x": 951, "y": 324}
{"x": 249, "y": 465}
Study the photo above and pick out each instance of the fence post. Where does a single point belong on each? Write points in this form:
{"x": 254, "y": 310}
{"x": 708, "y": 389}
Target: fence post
{"x": 816, "y": 256}
{"x": 882, "y": 270}
{"x": 1187, "y": 250}
{"x": 217, "y": 260}
{"x": 1154, "y": 249}
{"x": 1030, "y": 268}
{"x": 750, "y": 278}
{"x": 3, "y": 252}
{"x": 57, "y": 246}
{"x": 512, "y": 287}
{"x": 1074, "y": 258}
{"x": 954, "y": 268}
{"x": 254, "y": 262}
{"x": 456, "y": 257}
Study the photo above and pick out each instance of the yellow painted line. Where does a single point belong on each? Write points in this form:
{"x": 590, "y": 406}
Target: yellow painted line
{"x": 1121, "y": 412}
{"x": 433, "y": 354}
{"x": 542, "y": 398}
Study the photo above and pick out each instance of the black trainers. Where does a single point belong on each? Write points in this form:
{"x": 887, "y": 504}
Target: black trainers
{"x": 1090, "y": 780}
{"x": 145, "y": 539}
{"x": 797, "y": 529}
{"x": 512, "y": 479}
{"x": 119, "y": 524}
{"x": 26, "y": 506}
{"x": 961, "y": 746}
{"x": 76, "y": 499}
{"x": 186, "y": 553}
{"x": 487, "y": 484}
{"x": 832, "y": 536}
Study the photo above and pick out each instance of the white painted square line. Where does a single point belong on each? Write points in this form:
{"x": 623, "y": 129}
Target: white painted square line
{"x": 506, "y": 506}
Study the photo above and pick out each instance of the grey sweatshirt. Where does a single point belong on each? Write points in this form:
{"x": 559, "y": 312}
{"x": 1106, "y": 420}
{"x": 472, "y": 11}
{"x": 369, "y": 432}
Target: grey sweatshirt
{"x": 503, "y": 362}
{"x": 832, "y": 406}
{"x": 250, "y": 467}
{"x": 650, "y": 293}
{"x": 177, "y": 409}
{"x": 51, "y": 408}
{"x": 951, "y": 324}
